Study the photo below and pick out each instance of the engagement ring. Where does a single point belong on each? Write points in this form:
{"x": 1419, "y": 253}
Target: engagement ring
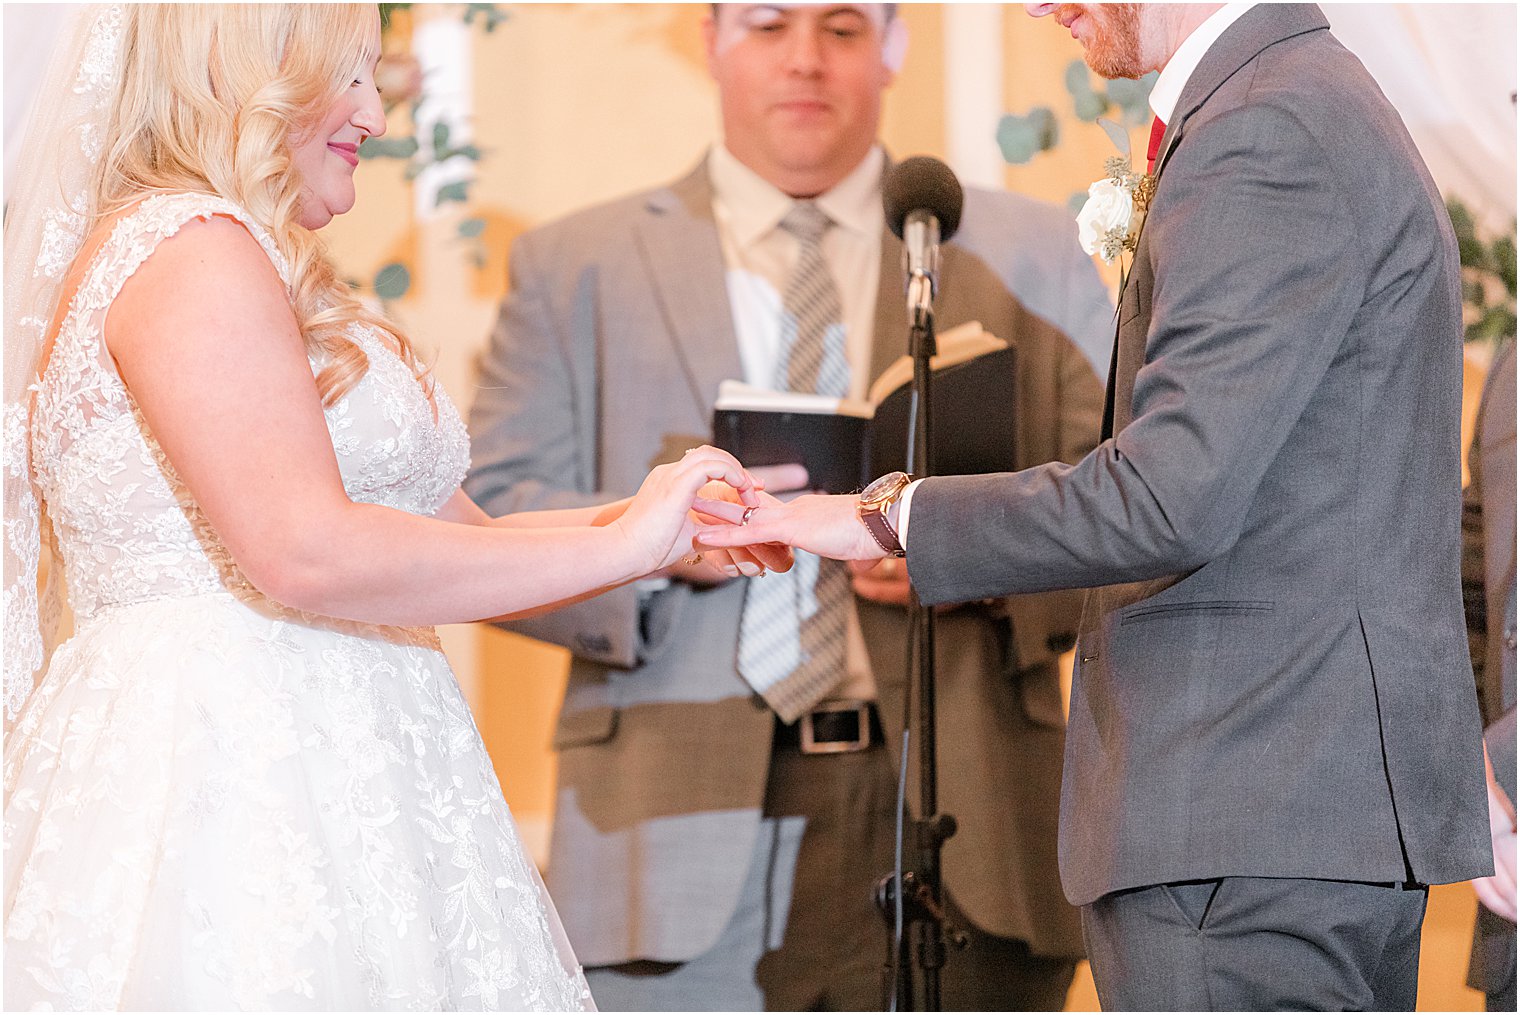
{"x": 747, "y": 512}
{"x": 695, "y": 558}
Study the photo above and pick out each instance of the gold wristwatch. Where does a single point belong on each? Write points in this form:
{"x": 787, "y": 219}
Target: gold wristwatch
{"x": 875, "y": 500}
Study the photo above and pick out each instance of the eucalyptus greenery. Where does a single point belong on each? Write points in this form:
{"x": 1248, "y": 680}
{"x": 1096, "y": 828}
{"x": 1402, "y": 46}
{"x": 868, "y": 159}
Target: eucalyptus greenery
{"x": 394, "y": 280}
{"x": 1022, "y": 136}
{"x": 1488, "y": 277}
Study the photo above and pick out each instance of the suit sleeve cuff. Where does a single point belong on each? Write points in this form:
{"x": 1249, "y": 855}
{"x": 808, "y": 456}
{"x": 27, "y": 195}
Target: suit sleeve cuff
{"x": 904, "y": 506}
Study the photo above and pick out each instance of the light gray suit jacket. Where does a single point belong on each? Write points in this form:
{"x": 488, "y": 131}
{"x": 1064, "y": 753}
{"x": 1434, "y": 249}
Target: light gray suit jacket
{"x": 1274, "y": 681}
{"x": 606, "y": 361}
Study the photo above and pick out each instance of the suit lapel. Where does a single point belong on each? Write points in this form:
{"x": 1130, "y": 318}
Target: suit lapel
{"x": 678, "y": 244}
{"x": 889, "y": 333}
{"x": 1261, "y": 27}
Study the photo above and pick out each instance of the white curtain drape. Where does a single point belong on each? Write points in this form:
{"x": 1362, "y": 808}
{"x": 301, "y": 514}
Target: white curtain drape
{"x": 1449, "y": 69}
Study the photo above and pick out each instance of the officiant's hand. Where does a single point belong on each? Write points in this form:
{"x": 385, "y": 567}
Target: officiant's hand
{"x": 828, "y": 525}
{"x": 881, "y": 581}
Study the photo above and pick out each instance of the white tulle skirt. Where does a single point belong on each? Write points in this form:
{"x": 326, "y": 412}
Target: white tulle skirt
{"x": 213, "y": 803}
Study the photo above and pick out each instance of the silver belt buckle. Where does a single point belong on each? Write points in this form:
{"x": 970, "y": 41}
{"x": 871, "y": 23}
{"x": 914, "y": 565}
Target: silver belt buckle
{"x": 862, "y": 710}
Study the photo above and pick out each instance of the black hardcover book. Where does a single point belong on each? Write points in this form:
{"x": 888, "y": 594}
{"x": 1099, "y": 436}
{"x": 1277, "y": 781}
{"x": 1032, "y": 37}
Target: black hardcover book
{"x": 844, "y": 445}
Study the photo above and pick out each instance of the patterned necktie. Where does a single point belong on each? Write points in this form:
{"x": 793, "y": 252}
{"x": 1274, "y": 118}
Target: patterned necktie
{"x": 792, "y": 631}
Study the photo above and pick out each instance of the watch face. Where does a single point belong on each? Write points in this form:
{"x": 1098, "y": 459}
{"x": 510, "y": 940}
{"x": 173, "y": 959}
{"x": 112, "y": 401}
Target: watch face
{"x": 884, "y": 486}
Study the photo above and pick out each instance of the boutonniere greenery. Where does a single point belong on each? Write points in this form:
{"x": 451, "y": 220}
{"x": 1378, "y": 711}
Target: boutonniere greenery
{"x": 1109, "y": 223}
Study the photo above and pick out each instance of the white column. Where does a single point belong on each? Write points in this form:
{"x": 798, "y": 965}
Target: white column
{"x": 441, "y": 43}
{"x": 974, "y": 91}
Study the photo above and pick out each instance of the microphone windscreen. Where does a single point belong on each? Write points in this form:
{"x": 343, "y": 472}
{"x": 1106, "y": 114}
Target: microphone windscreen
{"x": 922, "y": 182}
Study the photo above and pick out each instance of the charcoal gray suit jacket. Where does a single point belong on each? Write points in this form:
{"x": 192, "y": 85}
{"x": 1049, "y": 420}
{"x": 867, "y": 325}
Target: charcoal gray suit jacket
{"x": 605, "y": 361}
{"x": 1273, "y": 676}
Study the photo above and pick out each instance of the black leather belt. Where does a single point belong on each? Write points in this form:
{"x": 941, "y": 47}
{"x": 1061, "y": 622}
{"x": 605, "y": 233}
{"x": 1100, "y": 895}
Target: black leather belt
{"x": 836, "y": 727}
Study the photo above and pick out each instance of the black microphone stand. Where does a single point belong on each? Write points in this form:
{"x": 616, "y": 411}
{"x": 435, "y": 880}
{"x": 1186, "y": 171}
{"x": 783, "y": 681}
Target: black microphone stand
{"x": 923, "y": 917}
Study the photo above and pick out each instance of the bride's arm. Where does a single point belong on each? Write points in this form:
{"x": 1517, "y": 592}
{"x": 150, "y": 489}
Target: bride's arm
{"x": 463, "y": 509}
{"x": 207, "y": 344}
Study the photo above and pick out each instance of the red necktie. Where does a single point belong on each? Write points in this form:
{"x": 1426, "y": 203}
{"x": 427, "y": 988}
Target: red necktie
{"x": 1157, "y": 129}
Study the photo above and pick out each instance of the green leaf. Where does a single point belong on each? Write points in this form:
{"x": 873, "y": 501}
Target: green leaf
{"x": 1090, "y": 106}
{"x": 388, "y": 148}
{"x": 1021, "y": 137}
{"x": 471, "y": 228}
{"x": 440, "y": 139}
{"x": 1075, "y": 202}
{"x": 1496, "y": 322}
{"x": 1078, "y": 80}
{"x": 1133, "y": 98}
{"x": 392, "y": 281}
{"x": 456, "y": 191}
{"x": 492, "y": 14}
{"x": 1461, "y": 219}
{"x": 1473, "y": 292}
{"x": 386, "y": 10}
{"x": 1471, "y": 253}
{"x": 1504, "y": 261}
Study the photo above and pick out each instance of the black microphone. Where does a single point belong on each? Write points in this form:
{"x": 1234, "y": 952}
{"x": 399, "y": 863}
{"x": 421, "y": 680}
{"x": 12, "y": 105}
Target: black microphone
{"x": 922, "y": 199}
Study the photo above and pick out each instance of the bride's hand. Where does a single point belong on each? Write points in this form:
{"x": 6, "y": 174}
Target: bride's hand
{"x": 658, "y": 522}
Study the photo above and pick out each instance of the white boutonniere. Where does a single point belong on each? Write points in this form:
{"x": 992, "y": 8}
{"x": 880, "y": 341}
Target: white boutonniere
{"x": 1109, "y": 222}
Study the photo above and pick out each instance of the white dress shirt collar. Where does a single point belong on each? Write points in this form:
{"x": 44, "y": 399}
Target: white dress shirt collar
{"x": 755, "y": 207}
{"x": 1174, "y": 76}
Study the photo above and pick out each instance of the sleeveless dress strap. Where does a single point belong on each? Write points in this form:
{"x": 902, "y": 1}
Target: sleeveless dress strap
{"x": 135, "y": 237}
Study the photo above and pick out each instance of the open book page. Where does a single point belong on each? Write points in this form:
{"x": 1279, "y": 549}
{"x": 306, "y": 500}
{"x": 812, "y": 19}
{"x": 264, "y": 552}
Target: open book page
{"x": 961, "y": 343}
{"x": 736, "y": 395}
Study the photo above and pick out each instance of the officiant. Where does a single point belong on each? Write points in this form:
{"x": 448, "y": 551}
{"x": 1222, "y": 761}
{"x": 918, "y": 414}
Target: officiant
{"x": 727, "y": 747}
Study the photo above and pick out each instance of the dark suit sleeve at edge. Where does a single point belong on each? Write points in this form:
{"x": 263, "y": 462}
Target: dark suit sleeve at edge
{"x": 1257, "y": 279}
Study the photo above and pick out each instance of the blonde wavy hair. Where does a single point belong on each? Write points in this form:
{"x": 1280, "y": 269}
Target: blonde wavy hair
{"x": 210, "y": 99}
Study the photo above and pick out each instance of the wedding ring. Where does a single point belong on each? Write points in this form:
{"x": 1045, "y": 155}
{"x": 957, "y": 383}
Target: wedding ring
{"x": 747, "y": 512}
{"x": 695, "y": 558}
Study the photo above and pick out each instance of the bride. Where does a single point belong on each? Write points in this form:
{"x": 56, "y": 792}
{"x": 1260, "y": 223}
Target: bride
{"x": 249, "y": 778}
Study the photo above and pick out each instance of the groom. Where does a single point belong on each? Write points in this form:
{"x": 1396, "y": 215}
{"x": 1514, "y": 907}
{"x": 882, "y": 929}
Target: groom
{"x": 1273, "y": 745}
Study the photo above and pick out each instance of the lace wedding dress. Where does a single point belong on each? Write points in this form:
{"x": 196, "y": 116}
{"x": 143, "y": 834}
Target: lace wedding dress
{"x": 214, "y": 801}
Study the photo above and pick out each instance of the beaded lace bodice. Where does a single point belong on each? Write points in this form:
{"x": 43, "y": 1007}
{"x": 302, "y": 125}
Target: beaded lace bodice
{"x": 126, "y": 527}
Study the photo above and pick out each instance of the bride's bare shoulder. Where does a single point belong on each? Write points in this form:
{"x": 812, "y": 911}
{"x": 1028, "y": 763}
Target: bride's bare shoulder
{"x": 211, "y": 259}
{"x": 210, "y": 276}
